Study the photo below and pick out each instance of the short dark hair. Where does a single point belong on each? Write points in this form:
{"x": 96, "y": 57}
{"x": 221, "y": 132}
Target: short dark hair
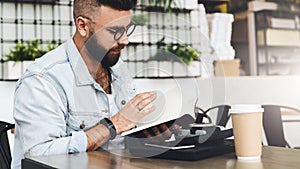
{"x": 85, "y": 7}
{"x": 118, "y": 4}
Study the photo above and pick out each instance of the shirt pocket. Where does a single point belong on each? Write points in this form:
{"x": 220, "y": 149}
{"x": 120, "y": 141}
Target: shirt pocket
{"x": 83, "y": 120}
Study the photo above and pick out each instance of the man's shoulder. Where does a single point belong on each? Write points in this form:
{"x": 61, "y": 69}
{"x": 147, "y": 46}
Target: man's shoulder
{"x": 49, "y": 61}
{"x": 53, "y": 67}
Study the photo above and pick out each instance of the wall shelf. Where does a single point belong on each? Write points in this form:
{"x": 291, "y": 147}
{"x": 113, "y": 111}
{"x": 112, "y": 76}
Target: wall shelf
{"x": 269, "y": 37}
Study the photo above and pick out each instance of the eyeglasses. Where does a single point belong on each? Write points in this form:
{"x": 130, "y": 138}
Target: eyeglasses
{"x": 119, "y": 32}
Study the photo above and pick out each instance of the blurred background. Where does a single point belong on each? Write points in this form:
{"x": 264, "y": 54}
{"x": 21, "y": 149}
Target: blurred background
{"x": 221, "y": 51}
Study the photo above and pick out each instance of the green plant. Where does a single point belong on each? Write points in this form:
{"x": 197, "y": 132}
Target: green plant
{"x": 175, "y": 52}
{"x": 185, "y": 53}
{"x": 165, "y": 3}
{"x": 139, "y": 19}
{"x": 28, "y": 51}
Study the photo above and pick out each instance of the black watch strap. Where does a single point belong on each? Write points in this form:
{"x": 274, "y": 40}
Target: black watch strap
{"x": 109, "y": 124}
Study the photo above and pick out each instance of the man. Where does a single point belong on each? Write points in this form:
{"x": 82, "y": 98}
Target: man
{"x": 79, "y": 97}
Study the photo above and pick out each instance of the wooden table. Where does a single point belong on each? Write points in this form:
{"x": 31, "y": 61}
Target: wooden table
{"x": 273, "y": 158}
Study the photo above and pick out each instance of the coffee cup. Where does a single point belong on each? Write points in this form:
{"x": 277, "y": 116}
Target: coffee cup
{"x": 238, "y": 164}
{"x": 247, "y": 131}
{"x": 248, "y": 165}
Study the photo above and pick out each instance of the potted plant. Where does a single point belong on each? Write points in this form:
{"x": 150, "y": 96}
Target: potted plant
{"x": 21, "y": 56}
{"x": 175, "y": 60}
{"x": 140, "y": 20}
{"x": 188, "y": 63}
{"x": 163, "y": 3}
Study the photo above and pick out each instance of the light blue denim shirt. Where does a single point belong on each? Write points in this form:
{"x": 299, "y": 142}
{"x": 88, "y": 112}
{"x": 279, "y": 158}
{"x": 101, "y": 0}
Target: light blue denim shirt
{"x": 57, "y": 99}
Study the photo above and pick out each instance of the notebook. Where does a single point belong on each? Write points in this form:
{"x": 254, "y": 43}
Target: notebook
{"x": 169, "y": 105}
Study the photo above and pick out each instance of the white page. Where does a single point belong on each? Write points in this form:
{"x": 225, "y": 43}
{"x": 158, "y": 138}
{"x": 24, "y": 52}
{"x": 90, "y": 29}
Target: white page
{"x": 168, "y": 107}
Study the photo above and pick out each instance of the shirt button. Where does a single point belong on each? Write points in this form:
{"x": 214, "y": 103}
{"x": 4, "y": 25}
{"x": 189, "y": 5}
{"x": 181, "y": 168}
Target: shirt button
{"x": 82, "y": 125}
{"x": 123, "y": 102}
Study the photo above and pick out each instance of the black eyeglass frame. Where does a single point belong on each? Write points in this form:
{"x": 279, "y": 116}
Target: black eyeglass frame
{"x": 121, "y": 30}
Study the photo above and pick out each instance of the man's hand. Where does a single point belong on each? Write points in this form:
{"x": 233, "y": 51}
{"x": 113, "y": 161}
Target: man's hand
{"x": 127, "y": 118}
{"x": 159, "y": 134}
{"x": 134, "y": 111}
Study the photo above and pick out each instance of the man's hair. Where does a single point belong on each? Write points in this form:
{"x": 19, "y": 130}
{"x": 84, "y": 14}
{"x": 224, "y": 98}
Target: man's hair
{"x": 86, "y": 7}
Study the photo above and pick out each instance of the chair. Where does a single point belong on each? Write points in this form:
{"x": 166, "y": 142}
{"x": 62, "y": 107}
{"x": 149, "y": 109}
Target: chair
{"x": 5, "y": 154}
{"x": 220, "y": 112}
{"x": 273, "y": 125}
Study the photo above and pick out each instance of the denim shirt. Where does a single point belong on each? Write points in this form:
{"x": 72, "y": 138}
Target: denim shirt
{"x": 57, "y": 99}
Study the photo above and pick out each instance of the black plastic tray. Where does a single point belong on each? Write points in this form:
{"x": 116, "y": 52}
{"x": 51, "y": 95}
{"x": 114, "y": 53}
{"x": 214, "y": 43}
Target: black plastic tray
{"x": 200, "y": 151}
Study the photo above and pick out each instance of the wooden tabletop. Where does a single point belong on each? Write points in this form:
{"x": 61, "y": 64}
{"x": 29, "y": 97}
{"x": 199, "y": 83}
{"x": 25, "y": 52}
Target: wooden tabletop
{"x": 273, "y": 158}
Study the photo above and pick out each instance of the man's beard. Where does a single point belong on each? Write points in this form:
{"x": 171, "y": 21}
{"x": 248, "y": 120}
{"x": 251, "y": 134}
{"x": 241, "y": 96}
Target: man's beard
{"x": 110, "y": 60}
{"x": 100, "y": 54}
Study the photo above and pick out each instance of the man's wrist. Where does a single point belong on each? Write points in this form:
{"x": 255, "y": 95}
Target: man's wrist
{"x": 110, "y": 125}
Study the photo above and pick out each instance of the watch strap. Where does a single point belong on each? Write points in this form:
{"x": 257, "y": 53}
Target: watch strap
{"x": 111, "y": 127}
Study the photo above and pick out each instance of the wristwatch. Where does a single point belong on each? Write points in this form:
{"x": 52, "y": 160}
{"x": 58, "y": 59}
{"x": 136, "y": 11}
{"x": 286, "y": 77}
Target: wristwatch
{"x": 110, "y": 125}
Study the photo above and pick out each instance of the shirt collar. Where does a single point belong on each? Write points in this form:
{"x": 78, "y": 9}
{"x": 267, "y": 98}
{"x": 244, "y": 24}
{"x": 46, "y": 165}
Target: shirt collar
{"x": 80, "y": 70}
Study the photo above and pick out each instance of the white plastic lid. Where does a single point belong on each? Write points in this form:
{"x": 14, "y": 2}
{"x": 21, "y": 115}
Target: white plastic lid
{"x": 245, "y": 108}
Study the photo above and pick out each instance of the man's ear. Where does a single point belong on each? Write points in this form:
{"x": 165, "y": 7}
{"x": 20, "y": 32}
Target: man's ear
{"x": 81, "y": 26}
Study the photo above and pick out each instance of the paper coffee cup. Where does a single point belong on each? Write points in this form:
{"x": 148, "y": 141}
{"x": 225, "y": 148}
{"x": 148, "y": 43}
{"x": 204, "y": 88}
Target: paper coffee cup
{"x": 247, "y": 131}
{"x": 248, "y": 165}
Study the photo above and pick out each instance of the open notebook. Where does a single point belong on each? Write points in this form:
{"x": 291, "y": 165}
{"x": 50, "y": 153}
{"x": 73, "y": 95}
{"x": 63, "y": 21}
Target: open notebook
{"x": 169, "y": 105}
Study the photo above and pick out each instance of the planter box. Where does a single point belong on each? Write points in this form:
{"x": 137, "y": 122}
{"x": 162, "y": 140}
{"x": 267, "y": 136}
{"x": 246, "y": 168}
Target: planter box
{"x": 139, "y": 69}
{"x": 25, "y": 64}
{"x": 182, "y": 70}
{"x": 12, "y": 70}
{"x": 194, "y": 69}
{"x": 152, "y": 69}
{"x": 165, "y": 69}
{"x": 172, "y": 69}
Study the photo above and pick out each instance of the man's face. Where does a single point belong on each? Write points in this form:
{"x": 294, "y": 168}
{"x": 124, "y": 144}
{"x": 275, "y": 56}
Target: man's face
{"x": 106, "y": 39}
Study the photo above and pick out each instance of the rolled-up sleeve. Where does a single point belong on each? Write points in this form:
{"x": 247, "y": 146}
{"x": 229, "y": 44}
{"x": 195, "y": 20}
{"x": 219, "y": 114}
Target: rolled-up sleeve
{"x": 78, "y": 144}
{"x": 40, "y": 116}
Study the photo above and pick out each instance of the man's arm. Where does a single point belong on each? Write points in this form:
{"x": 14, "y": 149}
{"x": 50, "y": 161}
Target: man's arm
{"x": 97, "y": 136}
{"x": 127, "y": 118}
{"x": 39, "y": 113}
